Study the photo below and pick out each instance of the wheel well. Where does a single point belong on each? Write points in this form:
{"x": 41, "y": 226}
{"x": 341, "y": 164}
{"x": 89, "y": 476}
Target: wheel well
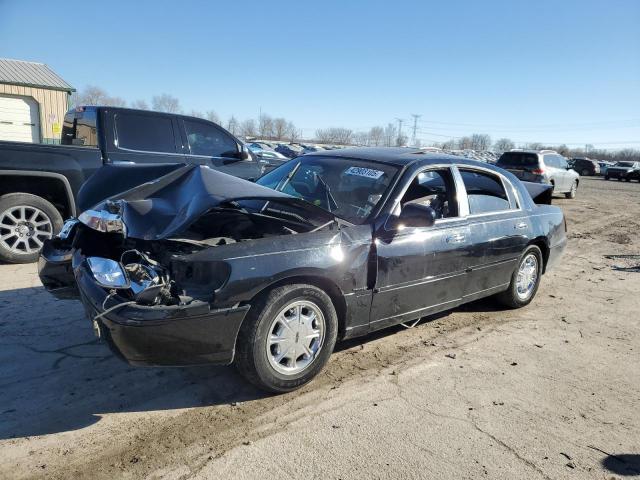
{"x": 51, "y": 189}
{"x": 331, "y": 289}
{"x": 541, "y": 243}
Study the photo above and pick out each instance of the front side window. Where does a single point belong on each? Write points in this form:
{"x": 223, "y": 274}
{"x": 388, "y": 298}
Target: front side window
{"x": 148, "y": 133}
{"x": 485, "y": 192}
{"x": 348, "y": 188}
{"x": 205, "y": 139}
{"x": 435, "y": 189}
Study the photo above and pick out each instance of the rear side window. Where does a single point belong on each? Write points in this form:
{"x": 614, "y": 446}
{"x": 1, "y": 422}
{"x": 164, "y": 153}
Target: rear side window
{"x": 79, "y": 128}
{"x": 205, "y": 139}
{"x": 552, "y": 161}
{"x": 485, "y": 192}
{"x": 148, "y": 133}
{"x": 518, "y": 159}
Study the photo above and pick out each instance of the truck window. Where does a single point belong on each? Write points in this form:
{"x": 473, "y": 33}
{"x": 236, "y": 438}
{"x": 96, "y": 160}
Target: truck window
{"x": 79, "y": 128}
{"x": 148, "y": 133}
{"x": 205, "y": 139}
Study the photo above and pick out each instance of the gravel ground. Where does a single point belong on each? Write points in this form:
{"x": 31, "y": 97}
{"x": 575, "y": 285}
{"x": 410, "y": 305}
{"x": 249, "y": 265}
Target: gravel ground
{"x": 549, "y": 391}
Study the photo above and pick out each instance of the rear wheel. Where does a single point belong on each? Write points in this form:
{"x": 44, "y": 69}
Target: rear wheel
{"x": 26, "y": 221}
{"x": 572, "y": 193}
{"x": 584, "y": 172}
{"x": 287, "y": 337}
{"x": 525, "y": 279}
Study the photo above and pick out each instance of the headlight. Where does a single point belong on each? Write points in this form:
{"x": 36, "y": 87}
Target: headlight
{"x": 108, "y": 273}
{"x": 103, "y": 221}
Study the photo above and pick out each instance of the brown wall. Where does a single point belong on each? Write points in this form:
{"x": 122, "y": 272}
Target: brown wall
{"x": 53, "y": 105}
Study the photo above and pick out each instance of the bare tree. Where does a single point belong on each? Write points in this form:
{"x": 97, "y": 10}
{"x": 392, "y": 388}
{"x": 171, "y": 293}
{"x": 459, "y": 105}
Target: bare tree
{"x": 248, "y": 128}
{"x": 480, "y": 141}
{"x": 376, "y": 136}
{"x": 93, "y": 95}
{"x": 140, "y": 105}
{"x": 361, "y": 138}
{"x": 212, "y": 117}
{"x": 292, "y": 132}
{"x": 503, "y": 145}
{"x": 390, "y": 134}
{"x": 265, "y": 126}
{"x": 334, "y": 135}
{"x": 232, "y": 125}
{"x": 166, "y": 103}
{"x": 449, "y": 145}
{"x": 279, "y": 128}
{"x": 196, "y": 114}
{"x": 465, "y": 143}
{"x": 401, "y": 140}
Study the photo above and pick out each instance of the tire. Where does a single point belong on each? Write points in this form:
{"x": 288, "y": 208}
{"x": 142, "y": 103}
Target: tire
{"x": 22, "y": 233}
{"x": 511, "y": 297}
{"x": 585, "y": 173}
{"x": 606, "y": 177}
{"x": 256, "y": 356}
{"x": 572, "y": 193}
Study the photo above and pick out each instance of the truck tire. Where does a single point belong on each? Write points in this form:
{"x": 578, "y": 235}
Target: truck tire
{"x": 25, "y": 222}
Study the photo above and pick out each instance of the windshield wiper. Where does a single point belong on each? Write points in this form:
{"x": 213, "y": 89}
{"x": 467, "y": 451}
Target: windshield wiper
{"x": 327, "y": 190}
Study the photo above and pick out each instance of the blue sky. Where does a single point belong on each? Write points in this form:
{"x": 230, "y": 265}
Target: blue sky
{"x": 550, "y": 71}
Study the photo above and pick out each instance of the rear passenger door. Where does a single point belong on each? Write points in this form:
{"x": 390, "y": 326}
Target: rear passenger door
{"x": 499, "y": 230}
{"x": 556, "y": 174}
{"x": 142, "y": 137}
{"x": 207, "y": 144}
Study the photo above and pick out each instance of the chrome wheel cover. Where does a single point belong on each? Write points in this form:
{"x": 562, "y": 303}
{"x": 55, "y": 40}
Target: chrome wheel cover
{"x": 23, "y": 229}
{"x": 527, "y": 276}
{"x": 295, "y": 337}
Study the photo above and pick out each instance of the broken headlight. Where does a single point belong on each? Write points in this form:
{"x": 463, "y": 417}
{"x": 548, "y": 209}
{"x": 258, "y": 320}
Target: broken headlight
{"x": 108, "y": 273}
{"x": 103, "y": 221}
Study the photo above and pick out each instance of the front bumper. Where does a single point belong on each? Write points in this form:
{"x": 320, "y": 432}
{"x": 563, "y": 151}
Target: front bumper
{"x": 179, "y": 335}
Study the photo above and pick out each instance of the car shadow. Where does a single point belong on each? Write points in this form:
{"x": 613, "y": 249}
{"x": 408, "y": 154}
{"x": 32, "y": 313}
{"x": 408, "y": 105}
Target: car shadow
{"x": 625, "y": 464}
{"x": 56, "y": 377}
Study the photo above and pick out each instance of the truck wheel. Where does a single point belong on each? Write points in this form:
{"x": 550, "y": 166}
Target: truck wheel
{"x": 606, "y": 177}
{"x": 572, "y": 193}
{"x": 287, "y": 337}
{"x": 525, "y": 280}
{"x": 26, "y": 221}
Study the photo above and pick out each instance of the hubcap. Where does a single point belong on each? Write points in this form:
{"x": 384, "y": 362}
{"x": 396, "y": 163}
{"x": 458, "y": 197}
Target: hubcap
{"x": 295, "y": 337}
{"x": 23, "y": 229}
{"x": 527, "y": 276}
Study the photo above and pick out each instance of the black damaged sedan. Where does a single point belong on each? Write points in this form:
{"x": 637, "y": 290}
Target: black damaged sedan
{"x": 194, "y": 266}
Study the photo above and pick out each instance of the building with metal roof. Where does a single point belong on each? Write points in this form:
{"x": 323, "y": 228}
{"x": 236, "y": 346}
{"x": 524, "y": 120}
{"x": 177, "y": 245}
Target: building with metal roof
{"x": 33, "y": 101}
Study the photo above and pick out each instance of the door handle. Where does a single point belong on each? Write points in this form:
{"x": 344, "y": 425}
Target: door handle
{"x": 520, "y": 226}
{"x": 456, "y": 238}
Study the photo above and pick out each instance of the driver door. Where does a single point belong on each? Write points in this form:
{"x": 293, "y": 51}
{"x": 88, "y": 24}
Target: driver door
{"x": 422, "y": 270}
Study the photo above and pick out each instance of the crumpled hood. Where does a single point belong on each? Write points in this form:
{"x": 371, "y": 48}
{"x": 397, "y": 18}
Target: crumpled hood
{"x": 164, "y": 207}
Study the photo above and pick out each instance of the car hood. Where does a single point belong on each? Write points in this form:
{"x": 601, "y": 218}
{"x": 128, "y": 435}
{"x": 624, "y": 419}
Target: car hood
{"x": 166, "y": 206}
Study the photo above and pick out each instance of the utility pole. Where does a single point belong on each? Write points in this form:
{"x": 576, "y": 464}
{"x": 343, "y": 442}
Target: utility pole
{"x": 399, "y": 120}
{"x": 415, "y": 127}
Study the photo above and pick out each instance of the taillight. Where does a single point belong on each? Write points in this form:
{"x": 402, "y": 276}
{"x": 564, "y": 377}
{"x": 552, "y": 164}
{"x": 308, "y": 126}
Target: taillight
{"x": 537, "y": 171}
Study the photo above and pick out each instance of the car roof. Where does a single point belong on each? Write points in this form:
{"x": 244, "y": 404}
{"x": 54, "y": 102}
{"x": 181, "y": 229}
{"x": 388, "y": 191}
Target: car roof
{"x": 399, "y": 156}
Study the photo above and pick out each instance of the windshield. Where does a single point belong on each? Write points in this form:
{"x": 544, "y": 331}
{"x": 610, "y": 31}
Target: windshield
{"x": 348, "y": 188}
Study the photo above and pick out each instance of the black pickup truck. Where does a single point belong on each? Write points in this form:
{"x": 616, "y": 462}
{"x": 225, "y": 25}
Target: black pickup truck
{"x": 39, "y": 183}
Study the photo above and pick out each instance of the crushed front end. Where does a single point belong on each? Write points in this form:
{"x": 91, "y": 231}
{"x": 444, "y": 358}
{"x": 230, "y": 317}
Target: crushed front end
{"x": 130, "y": 294}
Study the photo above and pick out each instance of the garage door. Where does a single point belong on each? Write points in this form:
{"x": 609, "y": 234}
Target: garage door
{"x": 19, "y": 119}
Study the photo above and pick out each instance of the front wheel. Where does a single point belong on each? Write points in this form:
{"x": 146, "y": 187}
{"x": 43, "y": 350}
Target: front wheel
{"x": 606, "y": 177}
{"x": 525, "y": 279}
{"x": 26, "y": 221}
{"x": 572, "y": 193}
{"x": 287, "y": 337}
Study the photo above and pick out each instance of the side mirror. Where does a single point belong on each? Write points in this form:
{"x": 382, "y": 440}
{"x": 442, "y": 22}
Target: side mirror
{"x": 416, "y": 215}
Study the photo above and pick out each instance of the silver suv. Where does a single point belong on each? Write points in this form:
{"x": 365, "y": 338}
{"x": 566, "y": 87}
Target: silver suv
{"x": 544, "y": 166}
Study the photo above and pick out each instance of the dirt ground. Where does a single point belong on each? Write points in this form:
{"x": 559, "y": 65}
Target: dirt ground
{"x": 549, "y": 391}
